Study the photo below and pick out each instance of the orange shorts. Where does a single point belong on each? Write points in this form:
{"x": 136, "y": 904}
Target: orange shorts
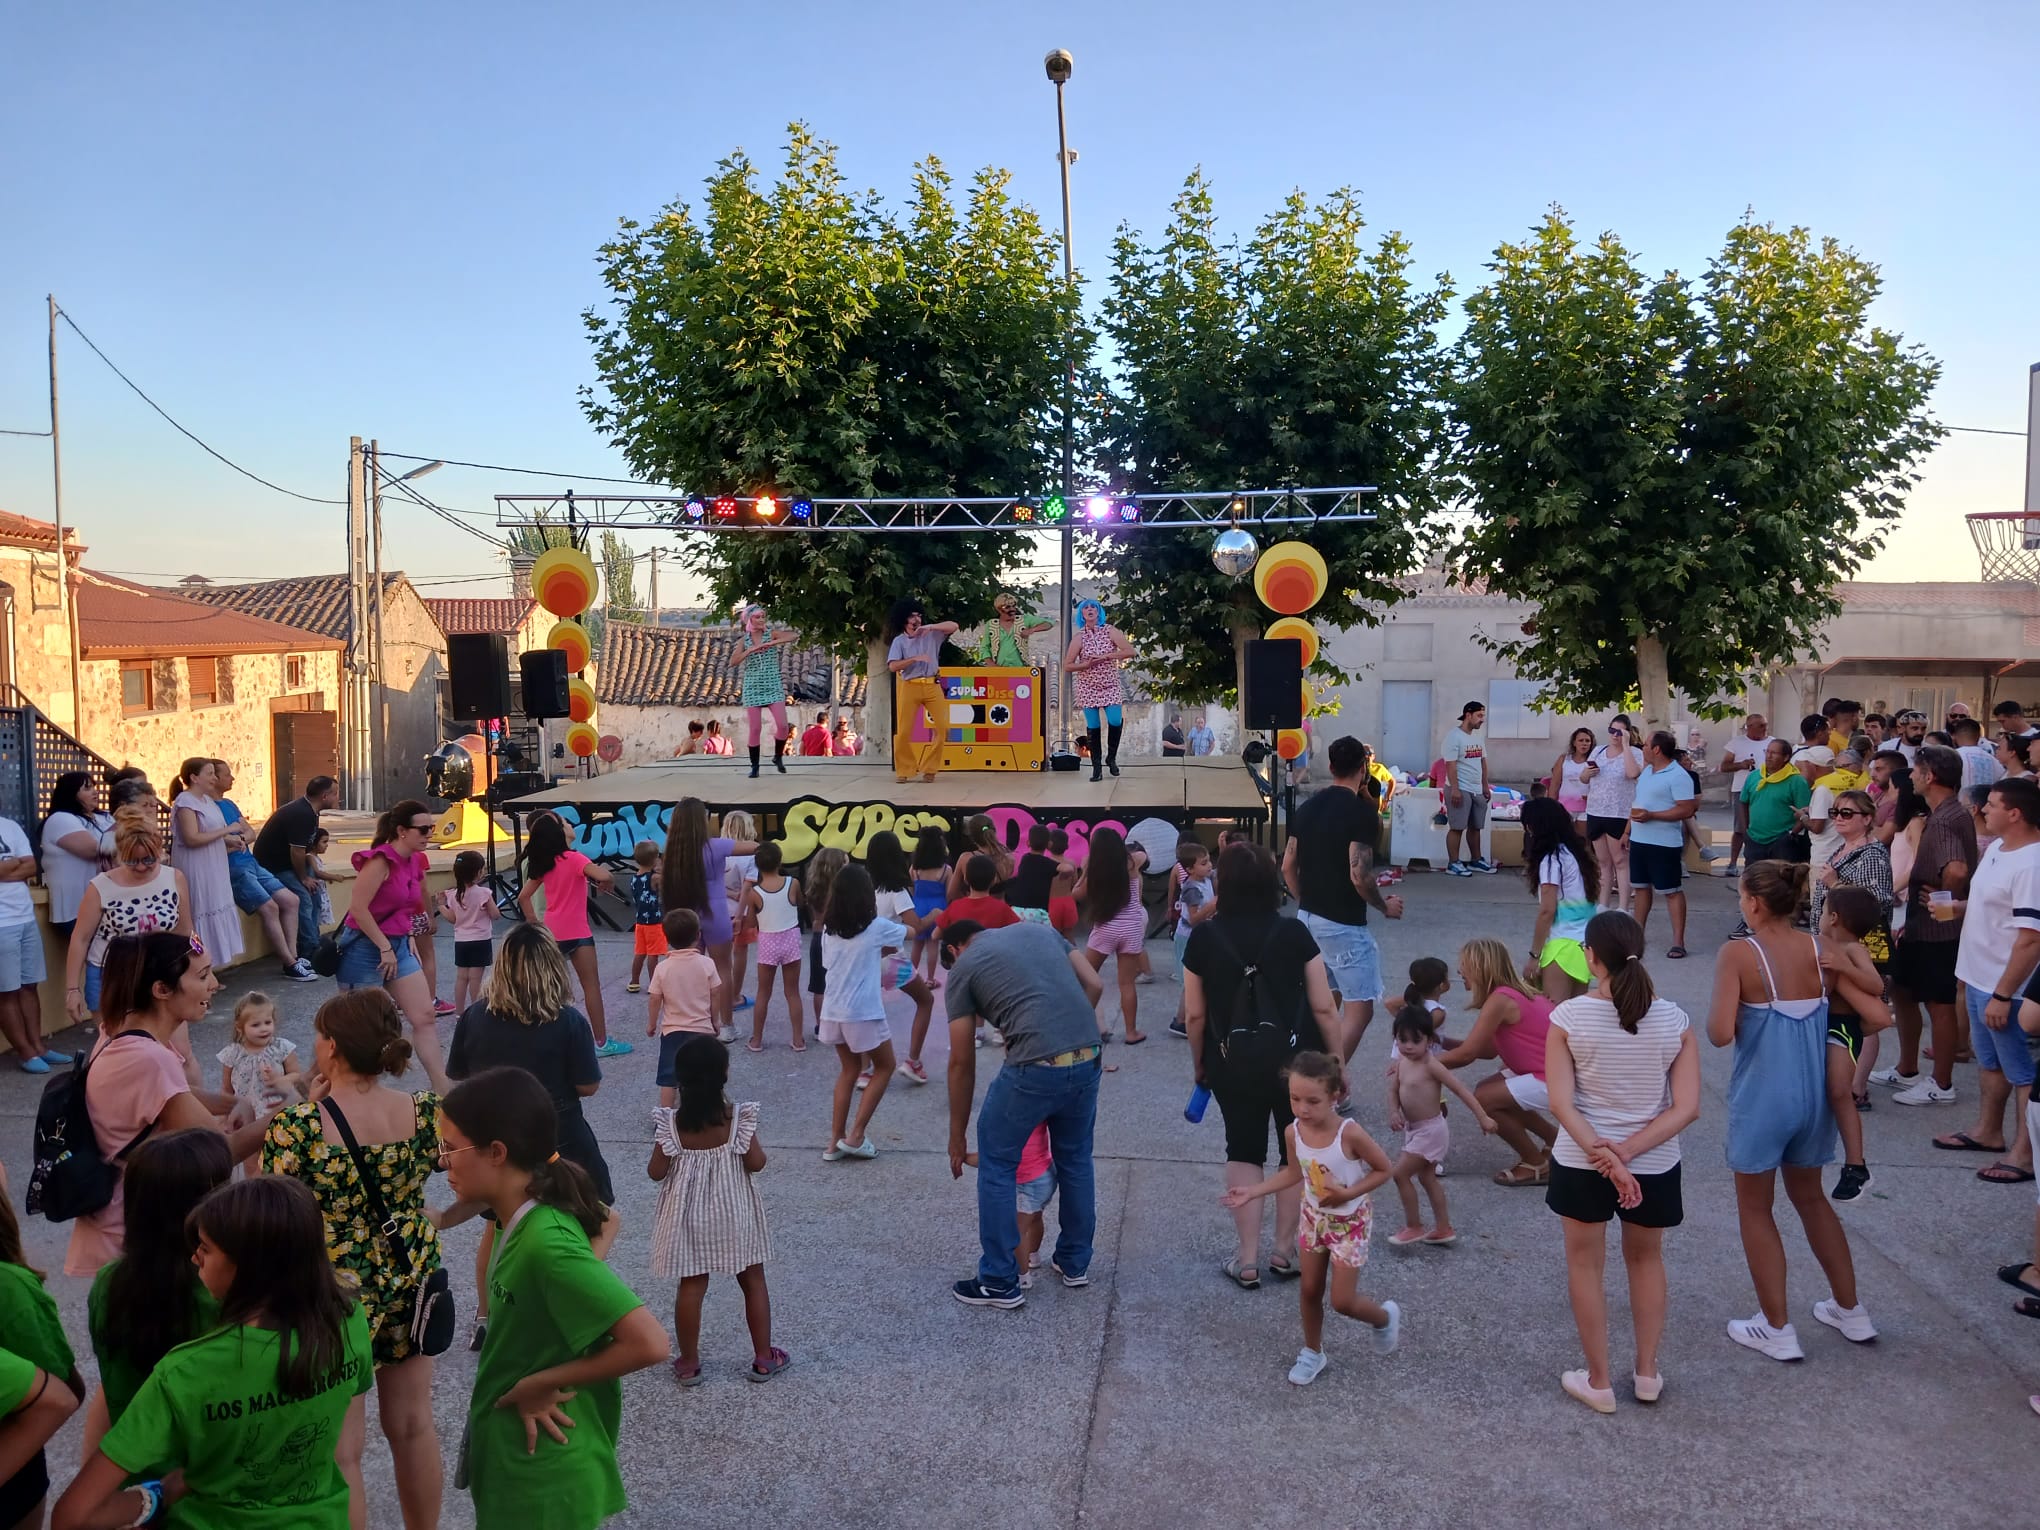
{"x": 648, "y": 940}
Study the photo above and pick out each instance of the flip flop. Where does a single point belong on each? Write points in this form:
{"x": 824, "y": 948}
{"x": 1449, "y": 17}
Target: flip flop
{"x": 2009, "y": 1274}
{"x": 1245, "y": 1276}
{"x": 2028, "y": 1306}
{"x": 752, "y": 1046}
{"x": 1962, "y": 1142}
{"x": 1677, "y": 953}
{"x": 2002, "y": 1173}
{"x": 1134, "y": 1041}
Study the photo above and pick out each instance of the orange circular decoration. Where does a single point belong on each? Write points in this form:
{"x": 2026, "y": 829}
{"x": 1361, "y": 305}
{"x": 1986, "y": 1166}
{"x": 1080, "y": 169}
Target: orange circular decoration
{"x": 1296, "y": 627}
{"x": 1290, "y": 743}
{"x": 571, "y": 639}
{"x": 580, "y": 700}
{"x": 563, "y": 581}
{"x": 581, "y": 740}
{"x": 1309, "y": 698}
{"x": 1291, "y": 578}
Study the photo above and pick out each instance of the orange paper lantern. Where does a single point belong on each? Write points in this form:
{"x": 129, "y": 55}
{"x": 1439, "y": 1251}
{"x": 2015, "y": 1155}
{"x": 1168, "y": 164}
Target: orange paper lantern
{"x": 563, "y": 581}
{"x": 580, "y": 700}
{"x": 1290, "y": 743}
{"x": 1290, "y": 577}
{"x": 1309, "y": 698}
{"x": 571, "y": 639}
{"x": 1296, "y": 627}
{"x": 581, "y": 740}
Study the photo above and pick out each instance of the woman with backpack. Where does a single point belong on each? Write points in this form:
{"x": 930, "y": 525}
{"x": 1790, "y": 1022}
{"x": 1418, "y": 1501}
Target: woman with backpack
{"x": 1243, "y": 1034}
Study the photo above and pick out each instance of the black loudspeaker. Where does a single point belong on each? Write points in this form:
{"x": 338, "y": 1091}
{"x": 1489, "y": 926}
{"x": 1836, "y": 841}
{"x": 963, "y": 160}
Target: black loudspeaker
{"x": 545, "y": 682}
{"x": 478, "y": 671}
{"x": 1274, "y": 696}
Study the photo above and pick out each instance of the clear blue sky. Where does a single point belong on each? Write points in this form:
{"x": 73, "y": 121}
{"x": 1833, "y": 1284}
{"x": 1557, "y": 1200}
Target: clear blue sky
{"x": 293, "y": 224}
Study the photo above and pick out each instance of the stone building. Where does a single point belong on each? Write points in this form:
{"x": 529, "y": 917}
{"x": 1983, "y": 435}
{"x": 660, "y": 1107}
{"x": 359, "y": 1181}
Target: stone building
{"x": 35, "y": 643}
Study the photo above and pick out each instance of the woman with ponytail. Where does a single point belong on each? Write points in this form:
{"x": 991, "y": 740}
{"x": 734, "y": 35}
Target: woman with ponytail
{"x": 1770, "y": 1002}
{"x": 542, "y": 1424}
{"x": 1623, "y": 1072}
{"x": 375, "y": 937}
{"x": 360, "y": 1125}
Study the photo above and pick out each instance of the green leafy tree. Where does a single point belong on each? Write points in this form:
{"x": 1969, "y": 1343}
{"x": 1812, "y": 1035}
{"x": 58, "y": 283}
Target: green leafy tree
{"x": 1678, "y": 474}
{"x": 1304, "y": 358}
{"x": 808, "y": 340}
{"x": 619, "y": 580}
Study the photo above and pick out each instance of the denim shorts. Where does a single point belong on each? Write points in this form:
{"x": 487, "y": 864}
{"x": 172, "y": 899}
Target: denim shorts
{"x": 2002, "y": 1051}
{"x": 1035, "y": 1194}
{"x": 21, "y": 956}
{"x": 361, "y": 963}
{"x": 1351, "y": 958}
{"x": 253, "y": 886}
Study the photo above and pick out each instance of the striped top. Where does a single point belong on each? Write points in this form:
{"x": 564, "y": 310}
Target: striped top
{"x": 709, "y": 1220}
{"x": 1620, "y": 1082}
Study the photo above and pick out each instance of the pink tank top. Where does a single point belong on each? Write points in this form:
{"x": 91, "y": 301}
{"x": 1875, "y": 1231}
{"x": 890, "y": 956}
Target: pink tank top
{"x": 1521, "y": 1046}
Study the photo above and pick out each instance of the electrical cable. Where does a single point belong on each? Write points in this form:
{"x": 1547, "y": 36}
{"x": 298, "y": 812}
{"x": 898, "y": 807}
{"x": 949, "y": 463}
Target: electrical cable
{"x": 497, "y": 467}
{"x": 310, "y": 499}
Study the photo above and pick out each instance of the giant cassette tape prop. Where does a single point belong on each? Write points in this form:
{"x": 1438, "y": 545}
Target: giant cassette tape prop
{"x": 995, "y": 718}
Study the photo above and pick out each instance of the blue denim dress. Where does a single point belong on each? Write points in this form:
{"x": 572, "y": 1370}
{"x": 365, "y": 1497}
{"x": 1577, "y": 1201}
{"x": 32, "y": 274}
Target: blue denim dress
{"x": 1777, "y": 1096}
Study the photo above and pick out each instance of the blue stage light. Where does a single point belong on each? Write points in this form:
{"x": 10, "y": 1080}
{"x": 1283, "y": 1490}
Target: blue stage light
{"x": 696, "y": 511}
{"x": 802, "y": 510}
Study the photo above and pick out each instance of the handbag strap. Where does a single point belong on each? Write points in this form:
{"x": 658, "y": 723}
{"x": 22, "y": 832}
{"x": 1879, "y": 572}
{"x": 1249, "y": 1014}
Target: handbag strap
{"x": 371, "y": 1188}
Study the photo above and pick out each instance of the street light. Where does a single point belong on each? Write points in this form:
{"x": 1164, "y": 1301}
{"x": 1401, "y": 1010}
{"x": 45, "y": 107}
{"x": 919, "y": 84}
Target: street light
{"x": 420, "y": 472}
{"x": 1059, "y": 65}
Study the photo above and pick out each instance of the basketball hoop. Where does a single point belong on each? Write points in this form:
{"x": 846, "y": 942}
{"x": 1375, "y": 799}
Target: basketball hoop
{"x": 2007, "y": 545}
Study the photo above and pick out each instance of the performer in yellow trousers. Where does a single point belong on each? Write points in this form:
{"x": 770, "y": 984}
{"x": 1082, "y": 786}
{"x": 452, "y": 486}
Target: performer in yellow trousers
{"x": 914, "y": 656}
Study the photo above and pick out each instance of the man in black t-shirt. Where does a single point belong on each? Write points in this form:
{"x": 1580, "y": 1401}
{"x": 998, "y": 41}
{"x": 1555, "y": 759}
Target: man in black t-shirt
{"x": 1328, "y": 865}
{"x": 1172, "y": 738}
{"x": 286, "y": 839}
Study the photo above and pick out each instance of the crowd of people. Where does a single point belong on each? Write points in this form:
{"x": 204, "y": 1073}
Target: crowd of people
{"x": 281, "y": 1224}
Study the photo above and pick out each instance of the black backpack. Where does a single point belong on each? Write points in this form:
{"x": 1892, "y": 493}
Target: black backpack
{"x": 71, "y": 1177}
{"x": 1259, "y": 1037}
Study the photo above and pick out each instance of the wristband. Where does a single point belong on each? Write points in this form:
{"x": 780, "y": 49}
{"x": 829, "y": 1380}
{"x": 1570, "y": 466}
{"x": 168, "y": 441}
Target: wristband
{"x": 2004, "y": 998}
{"x": 152, "y": 1503}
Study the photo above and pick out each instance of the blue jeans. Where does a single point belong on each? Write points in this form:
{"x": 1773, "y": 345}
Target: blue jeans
{"x": 307, "y": 912}
{"x": 1352, "y": 959}
{"x": 2002, "y": 1051}
{"x": 1019, "y": 1100}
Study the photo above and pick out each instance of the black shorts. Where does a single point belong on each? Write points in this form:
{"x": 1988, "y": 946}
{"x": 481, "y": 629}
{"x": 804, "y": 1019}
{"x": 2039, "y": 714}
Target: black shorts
{"x": 569, "y": 947}
{"x": 1925, "y": 969}
{"x": 24, "y": 1491}
{"x": 1755, "y": 850}
{"x": 669, "y": 1048}
{"x": 1661, "y": 868}
{"x": 1845, "y": 1030}
{"x": 474, "y": 953}
{"x": 817, "y": 980}
{"x": 1248, "y": 1107}
{"x": 1604, "y": 828}
{"x": 1587, "y": 1195}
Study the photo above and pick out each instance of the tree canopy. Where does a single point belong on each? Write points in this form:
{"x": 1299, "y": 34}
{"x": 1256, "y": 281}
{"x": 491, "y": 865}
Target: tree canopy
{"x": 1302, "y": 358}
{"x": 1679, "y": 474}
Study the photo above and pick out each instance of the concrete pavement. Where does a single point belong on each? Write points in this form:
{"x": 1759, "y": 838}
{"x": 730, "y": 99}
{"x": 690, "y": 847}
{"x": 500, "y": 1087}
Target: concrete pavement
{"x": 1156, "y": 1396}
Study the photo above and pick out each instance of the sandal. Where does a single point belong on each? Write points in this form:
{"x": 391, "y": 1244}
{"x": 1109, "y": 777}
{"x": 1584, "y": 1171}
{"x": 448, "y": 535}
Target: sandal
{"x": 1245, "y": 1276}
{"x": 1134, "y": 1041}
{"x": 775, "y": 1362}
{"x": 2028, "y": 1306}
{"x": 752, "y": 1046}
{"x": 1522, "y": 1175}
{"x": 1962, "y": 1142}
{"x": 685, "y": 1376}
{"x": 1283, "y": 1270}
{"x": 1677, "y": 953}
{"x": 1862, "y": 1104}
{"x": 2002, "y": 1173}
{"x": 2010, "y": 1273}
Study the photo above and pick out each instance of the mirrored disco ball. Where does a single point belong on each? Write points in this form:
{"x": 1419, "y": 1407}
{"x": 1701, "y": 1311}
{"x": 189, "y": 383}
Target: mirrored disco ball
{"x": 1233, "y": 552}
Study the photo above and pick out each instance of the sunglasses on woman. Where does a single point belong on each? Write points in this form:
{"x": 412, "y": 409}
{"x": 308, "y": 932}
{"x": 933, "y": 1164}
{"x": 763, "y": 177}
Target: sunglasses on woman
{"x": 1848, "y": 813}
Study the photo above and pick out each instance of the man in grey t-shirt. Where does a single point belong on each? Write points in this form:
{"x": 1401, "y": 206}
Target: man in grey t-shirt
{"x": 913, "y": 657}
{"x": 1041, "y": 996}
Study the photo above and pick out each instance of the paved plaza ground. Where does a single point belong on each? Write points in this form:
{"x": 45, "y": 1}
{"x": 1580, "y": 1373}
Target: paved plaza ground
{"x": 1157, "y": 1396}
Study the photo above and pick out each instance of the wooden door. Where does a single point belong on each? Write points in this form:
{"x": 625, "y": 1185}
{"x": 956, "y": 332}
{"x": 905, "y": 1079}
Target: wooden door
{"x": 306, "y": 744}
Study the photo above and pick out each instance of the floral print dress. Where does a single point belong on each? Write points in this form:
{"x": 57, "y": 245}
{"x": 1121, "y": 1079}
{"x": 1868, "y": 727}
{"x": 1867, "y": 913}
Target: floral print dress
{"x": 297, "y": 1146}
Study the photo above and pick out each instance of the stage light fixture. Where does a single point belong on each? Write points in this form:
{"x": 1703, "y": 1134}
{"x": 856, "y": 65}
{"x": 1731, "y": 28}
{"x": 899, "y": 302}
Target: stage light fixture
{"x": 1129, "y": 511}
{"x": 1098, "y": 507}
{"x": 725, "y": 508}
{"x": 766, "y": 506}
{"x": 1022, "y": 513}
{"x": 695, "y": 510}
{"x": 1054, "y": 510}
{"x": 802, "y": 510}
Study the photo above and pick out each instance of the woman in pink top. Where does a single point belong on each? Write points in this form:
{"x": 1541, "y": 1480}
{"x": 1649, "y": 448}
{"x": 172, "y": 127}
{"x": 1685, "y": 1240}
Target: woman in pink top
{"x": 155, "y": 986}
{"x": 1511, "y": 1025}
{"x": 375, "y": 937}
{"x": 564, "y": 875}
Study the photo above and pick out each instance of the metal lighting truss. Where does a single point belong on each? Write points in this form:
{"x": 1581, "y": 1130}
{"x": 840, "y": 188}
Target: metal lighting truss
{"x": 1093, "y": 512}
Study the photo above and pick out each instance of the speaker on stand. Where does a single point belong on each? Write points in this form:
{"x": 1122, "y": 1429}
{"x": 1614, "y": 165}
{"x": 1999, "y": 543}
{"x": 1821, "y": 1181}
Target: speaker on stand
{"x": 478, "y": 675}
{"x": 1271, "y": 700}
{"x": 544, "y": 673}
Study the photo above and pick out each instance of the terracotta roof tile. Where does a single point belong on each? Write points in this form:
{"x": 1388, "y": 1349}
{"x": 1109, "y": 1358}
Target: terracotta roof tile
{"x": 317, "y": 602}
{"x": 28, "y": 531}
{"x": 690, "y": 667}
{"x": 480, "y": 615}
{"x": 117, "y": 618}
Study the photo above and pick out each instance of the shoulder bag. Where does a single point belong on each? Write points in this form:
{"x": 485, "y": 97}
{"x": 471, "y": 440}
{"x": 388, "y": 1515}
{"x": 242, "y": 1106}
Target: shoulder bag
{"x": 432, "y": 1317}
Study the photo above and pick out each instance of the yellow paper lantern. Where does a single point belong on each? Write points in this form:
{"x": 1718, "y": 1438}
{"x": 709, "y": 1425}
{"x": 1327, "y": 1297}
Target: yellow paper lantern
{"x": 563, "y": 580}
{"x": 1290, "y": 743}
{"x": 571, "y": 639}
{"x": 580, "y": 700}
{"x": 581, "y": 740}
{"x": 1290, "y": 577}
{"x": 1296, "y": 627}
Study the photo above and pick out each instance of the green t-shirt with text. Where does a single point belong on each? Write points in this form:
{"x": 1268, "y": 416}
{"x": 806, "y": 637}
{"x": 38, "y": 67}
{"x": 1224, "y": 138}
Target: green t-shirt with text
{"x": 550, "y": 1301}
{"x": 31, "y": 1324}
{"x": 119, "y": 1377}
{"x": 253, "y": 1458}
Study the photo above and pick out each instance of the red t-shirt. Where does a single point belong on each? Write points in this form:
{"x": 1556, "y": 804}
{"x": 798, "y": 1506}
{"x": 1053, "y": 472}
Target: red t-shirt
{"x": 992, "y": 913}
{"x": 815, "y": 740}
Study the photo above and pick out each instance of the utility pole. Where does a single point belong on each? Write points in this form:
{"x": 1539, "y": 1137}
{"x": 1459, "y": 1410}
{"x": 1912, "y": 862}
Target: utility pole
{"x": 655, "y": 587}
{"x": 354, "y": 751}
{"x": 379, "y": 732}
{"x": 1059, "y": 65}
{"x": 67, "y": 605}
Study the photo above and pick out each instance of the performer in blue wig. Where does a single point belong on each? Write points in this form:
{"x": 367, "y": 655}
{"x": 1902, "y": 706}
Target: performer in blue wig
{"x": 1095, "y": 653}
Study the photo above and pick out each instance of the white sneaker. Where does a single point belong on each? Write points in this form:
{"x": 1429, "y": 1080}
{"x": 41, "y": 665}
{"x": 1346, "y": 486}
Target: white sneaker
{"x": 1754, "y": 1333}
{"x": 1600, "y": 1399}
{"x": 1854, "y": 1322}
{"x": 1389, "y": 1334}
{"x": 727, "y": 1035}
{"x": 1648, "y": 1388}
{"x": 1891, "y": 1078}
{"x": 1925, "y": 1092}
{"x": 1310, "y": 1364}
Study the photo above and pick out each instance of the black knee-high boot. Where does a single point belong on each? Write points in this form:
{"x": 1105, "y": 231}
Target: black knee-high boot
{"x": 1112, "y": 747}
{"x": 754, "y": 762}
{"x": 1097, "y": 755}
{"x": 779, "y": 755}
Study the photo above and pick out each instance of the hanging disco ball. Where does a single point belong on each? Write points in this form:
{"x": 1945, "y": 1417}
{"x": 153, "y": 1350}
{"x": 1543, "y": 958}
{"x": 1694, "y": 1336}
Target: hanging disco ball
{"x": 1233, "y": 552}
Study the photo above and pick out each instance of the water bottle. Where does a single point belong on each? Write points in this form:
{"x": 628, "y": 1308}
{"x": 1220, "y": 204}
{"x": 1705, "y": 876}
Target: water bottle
{"x": 1200, "y": 1097}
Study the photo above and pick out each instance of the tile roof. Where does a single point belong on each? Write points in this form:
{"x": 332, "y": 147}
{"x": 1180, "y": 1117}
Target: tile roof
{"x": 117, "y": 618}
{"x": 482, "y": 615}
{"x": 690, "y": 667}
{"x": 317, "y": 602}
{"x": 26, "y": 530}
